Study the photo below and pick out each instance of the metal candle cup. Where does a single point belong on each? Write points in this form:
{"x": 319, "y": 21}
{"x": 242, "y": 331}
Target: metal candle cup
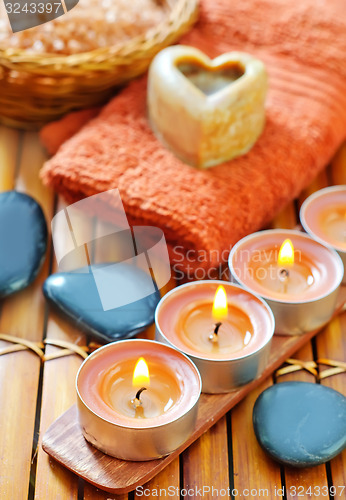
{"x": 184, "y": 320}
{"x": 323, "y": 216}
{"x": 111, "y": 421}
{"x": 316, "y": 276}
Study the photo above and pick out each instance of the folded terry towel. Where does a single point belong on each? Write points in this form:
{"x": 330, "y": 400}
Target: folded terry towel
{"x": 203, "y": 213}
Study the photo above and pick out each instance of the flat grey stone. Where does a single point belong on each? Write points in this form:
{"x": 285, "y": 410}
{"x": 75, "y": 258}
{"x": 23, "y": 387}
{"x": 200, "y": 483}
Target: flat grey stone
{"x": 75, "y": 296}
{"x": 23, "y": 241}
{"x": 300, "y": 424}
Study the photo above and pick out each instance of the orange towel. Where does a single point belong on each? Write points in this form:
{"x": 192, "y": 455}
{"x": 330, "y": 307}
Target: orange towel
{"x": 56, "y": 133}
{"x": 203, "y": 213}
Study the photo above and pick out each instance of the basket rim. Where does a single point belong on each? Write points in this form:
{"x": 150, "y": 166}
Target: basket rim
{"x": 124, "y": 49}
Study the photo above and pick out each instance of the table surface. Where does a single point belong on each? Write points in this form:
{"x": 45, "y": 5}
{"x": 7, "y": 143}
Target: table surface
{"x": 33, "y": 395}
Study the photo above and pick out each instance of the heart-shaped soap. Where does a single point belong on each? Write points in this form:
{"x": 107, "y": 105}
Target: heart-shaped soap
{"x": 206, "y": 111}
{"x": 210, "y": 79}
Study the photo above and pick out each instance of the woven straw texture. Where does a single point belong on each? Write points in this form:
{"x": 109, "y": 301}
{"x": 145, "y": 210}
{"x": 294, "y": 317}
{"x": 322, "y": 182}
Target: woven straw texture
{"x": 37, "y": 88}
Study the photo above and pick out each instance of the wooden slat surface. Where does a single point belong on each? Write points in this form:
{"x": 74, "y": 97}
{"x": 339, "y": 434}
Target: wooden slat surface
{"x": 118, "y": 476}
{"x": 298, "y": 481}
{"x": 9, "y": 152}
{"x": 205, "y": 462}
{"x": 226, "y": 456}
{"x": 58, "y": 394}
{"x": 304, "y": 478}
{"x": 22, "y": 315}
{"x": 253, "y": 469}
{"x": 166, "y": 479}
{"x": 332, "y": 342}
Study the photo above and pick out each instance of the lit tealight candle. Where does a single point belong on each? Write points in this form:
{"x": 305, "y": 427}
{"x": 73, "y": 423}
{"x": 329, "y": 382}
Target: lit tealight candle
{"x": 219, "y": 313}
{"x": 225, "y": 330}
{"x": 278, "y": 270}
{"x": 297, "y": 276}
{"x": 323, "y": 216}
{"x": 137, "y": 408}
{"x": 141, "y": 380}
{"x": 205, "y": 325}
{"x": 122, "y": 388}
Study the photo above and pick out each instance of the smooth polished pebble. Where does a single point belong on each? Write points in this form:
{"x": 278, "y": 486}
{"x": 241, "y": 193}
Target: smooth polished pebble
{"x": 23, "y": 241}
{"x": 300, "y": 424}
{"x": 76, "y": 296}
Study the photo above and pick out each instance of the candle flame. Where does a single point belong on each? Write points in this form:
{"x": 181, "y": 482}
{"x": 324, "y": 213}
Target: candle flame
{"x": 141, "y": 376}
{"x": 286, "y": 254}
{"x": 220, "y": 307}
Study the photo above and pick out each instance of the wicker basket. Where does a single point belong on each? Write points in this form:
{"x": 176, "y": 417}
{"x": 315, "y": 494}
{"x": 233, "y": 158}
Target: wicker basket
{"x": 35, "y": 89}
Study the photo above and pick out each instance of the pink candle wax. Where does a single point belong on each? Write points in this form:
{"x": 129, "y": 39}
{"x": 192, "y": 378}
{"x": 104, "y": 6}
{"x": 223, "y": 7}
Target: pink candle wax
{"x": 115, "y": 421}
{"x": 323, "y": 216}
{"x": 239, "y": 351}
{"x": 313, "y": 277}
{"x": 185, "y": 317}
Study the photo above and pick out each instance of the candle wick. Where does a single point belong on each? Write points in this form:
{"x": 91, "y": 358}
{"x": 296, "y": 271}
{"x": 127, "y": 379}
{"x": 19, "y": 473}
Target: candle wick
{"x": 284, "y": 275}
{"x": 213, "y": 337}
{"x": 137, "y": 401}
{"x": 217, "y": 326}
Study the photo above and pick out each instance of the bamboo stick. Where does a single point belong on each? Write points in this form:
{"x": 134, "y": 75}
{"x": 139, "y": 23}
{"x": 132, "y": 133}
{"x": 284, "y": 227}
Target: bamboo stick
{"x": 167, "y": 481}
{"x": 331, "y": 344}
{"x": 22, "y": 316}
{"x": 9, "y": 145}
{"x": 205, "y": 462}
{"x": 253, "y": 469}
{"x": 298, "y": 481}
{"x": 58, "y": 394}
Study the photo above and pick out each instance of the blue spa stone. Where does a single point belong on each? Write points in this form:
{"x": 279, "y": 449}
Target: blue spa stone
{"x": 300, "y": 424}
{"x": 23, "y": 241}
{"x": 75, "y": 295}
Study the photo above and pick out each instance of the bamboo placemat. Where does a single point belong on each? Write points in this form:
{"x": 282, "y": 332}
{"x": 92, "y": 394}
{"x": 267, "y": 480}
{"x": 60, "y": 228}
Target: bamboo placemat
{"x": 65, "y": 443}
